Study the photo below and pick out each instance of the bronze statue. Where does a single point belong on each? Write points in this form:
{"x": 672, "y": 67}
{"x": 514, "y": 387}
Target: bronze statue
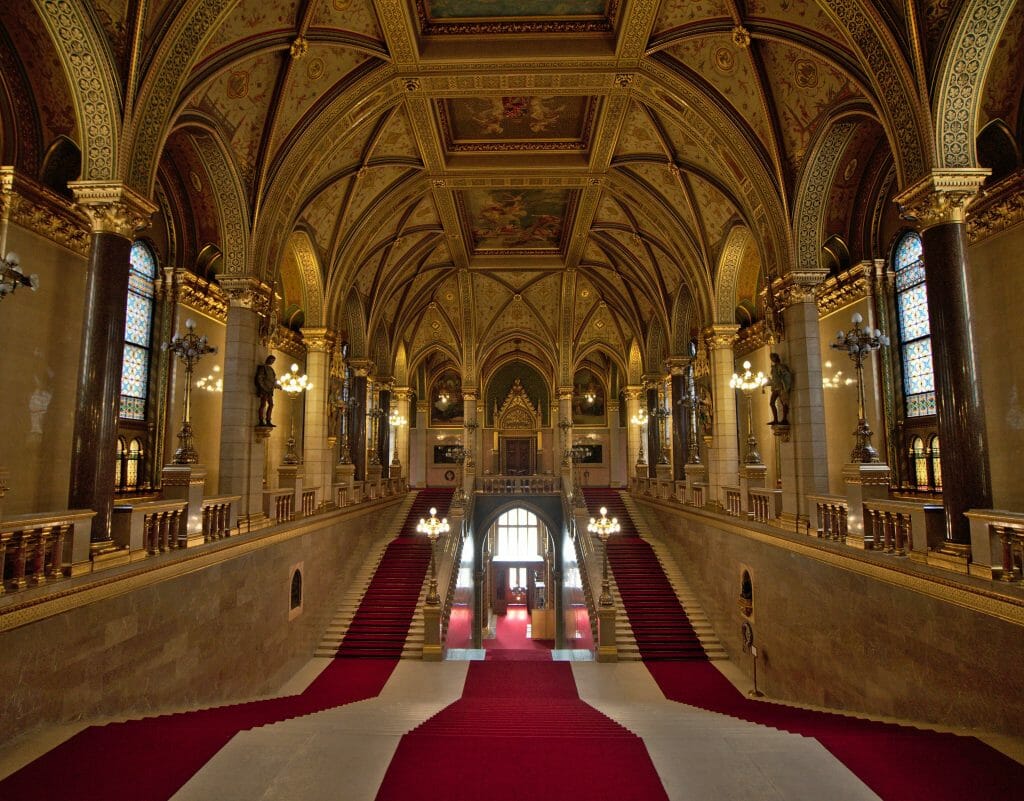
{"x": 266, "y": 383}
{"x": 781, "y": 382}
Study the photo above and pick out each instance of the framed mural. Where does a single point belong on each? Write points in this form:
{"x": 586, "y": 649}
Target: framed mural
{"x": 588, "y": 454}
{"x": 588, "y": 399}
{"x": 446, "y": 400}
{"x": 525, "y": 122}
{"x": 447, "y": 454}
{"x": 503, "y": 221}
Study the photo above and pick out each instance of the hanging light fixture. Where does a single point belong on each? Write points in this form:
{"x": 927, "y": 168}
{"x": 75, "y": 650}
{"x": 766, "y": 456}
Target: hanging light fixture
{"x": 11, "y": 276}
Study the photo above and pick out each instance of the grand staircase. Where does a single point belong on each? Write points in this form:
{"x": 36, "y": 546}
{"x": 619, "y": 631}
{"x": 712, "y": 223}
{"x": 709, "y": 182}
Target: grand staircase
{"x": 663, "y": 619}
{"x": 380, "y": 617}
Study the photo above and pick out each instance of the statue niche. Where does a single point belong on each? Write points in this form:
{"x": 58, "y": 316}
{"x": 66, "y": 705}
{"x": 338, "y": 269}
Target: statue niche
{"x": 517, "y": 421}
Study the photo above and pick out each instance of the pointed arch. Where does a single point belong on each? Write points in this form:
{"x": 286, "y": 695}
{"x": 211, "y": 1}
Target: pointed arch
{"x": 381, "y": 344}
{"x": 230, "y": 198}
{"x": 962, "y": 75}
{"x": 311, "y": 277}
{"x": 401, "y": 371}
{"x": 656, "y": 345}
{"x": 635, "y": 369}
{"x": 91, "y": 75}
{"x": 355, "y": 324}
{"x": 728, "y": 271}
{"x": 683, "y": 319}
{"x": 813, "y": 190}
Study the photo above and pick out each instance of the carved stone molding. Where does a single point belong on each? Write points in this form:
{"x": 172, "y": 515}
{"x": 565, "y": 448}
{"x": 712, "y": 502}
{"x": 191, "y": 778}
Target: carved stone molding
{"x": 318, "y": 340}
{"x": 720, "y": 336}
{"x": 362, "y": 367}
{"x": 112, "y": 207}
{"x": 676, "y": 365}
{"x": 796, "y": 287}
{"x": 942, "y": 197}
{"x": 290, "y": 342}
{"x": 247, "y": 293}
{"x": 633, "y": 393}
{"x": 998, "y": 209}
{"x": 752, "y": 338}
{"x": 188, "y": 289}
{"x": 843, "y": 289}
{"x": 39, "y": 210}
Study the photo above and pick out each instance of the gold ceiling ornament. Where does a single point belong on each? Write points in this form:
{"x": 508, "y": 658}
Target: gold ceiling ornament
{"x": 997, "y": 209}
{"x": 740, "y": 36}
{"x": 299, "y": 48}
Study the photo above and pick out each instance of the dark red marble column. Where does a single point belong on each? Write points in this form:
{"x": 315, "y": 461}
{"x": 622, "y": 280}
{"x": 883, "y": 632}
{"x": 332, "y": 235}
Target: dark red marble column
{"x": 384, "y": 433}
{"x": 357, "y": 426}
{"x": 680, "y": 427}
{"x": 961, "y": 413}
{"x": 99, "y": 381}
{"x": 653, "y": 431}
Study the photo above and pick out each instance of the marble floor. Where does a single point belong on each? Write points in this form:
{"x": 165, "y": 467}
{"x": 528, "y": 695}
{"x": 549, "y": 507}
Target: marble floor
{"x": 343, "y": 753}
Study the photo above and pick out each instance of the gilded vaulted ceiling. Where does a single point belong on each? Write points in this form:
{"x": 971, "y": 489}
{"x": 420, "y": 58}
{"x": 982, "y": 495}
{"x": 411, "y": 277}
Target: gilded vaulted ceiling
{"x": 562, "y": 176}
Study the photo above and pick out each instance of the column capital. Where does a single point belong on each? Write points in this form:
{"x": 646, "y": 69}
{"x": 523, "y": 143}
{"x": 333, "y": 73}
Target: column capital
{"x": 318, "y": 340}
{"x": 941, "y": 197}
{"x": 720, "y": 336}
{"x": 112, "y": 208}
{"x": 797, "y": 286}
{"x": 633, "y": 392}
{"x": 676, "y": 365}
{"x": 24, "y": 202}
{"x": 399, "y": 394}
{"x": 363, "y": 368}
{"x": 470, "y": 394}
{"x": 247, "y": 293}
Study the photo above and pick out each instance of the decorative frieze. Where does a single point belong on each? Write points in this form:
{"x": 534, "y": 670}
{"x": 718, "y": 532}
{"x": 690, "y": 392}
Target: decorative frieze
{"x": 248, "y": 293}
{"x": 752, "y": 338}
{"x": 318, "y": 340}
{"x": 37, "y": 209}
{"x": 720, "y": 336}
{"x": 796, "y": 287}
{"x": 997, "y": 209}
{"x": 188, "y": 289}
{"x": 843, "y": 289}
{"x": 290, "y": 342}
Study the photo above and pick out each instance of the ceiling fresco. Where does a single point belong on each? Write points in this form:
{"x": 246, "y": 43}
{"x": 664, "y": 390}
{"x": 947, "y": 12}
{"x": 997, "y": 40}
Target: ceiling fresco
{"x": 515, "y": 221}
{"x": 532, "y": 122}
{"x": 494, "y": 151}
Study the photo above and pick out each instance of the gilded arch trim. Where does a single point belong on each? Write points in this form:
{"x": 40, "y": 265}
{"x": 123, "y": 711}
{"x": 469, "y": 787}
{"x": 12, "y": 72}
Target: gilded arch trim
{"x": 727, "y": 274}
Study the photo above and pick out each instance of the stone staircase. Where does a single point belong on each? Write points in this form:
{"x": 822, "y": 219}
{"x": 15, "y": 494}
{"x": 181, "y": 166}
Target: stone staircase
{"x": 334, "y": 635}
{"x": 633, "y": 522}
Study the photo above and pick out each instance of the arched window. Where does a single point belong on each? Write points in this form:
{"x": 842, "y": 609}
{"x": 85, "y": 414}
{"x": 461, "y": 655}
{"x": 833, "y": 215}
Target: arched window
{"x": 138, "y": 330}
{"x": 919, "y": 463}
{"x": 933, "y": 449}
{"x": 915, "y": 332}
{"x": 517, "y": 536}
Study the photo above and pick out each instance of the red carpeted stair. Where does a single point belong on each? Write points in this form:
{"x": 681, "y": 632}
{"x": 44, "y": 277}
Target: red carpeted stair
{"x": 899, "y": 763}
{"x": 658, "y": 620}
{"x": 520, "y": 732}
{"x": 380, "y": 625}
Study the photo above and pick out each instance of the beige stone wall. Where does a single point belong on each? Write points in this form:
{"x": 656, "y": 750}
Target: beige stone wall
{"x": 840, "y": 388}
{"x": 40, "y": 342}
{"x": 828, "y": 636}
{"x": 206, "y": 405}
{"x": 997, "y": 286}
{"x": 210, "y": 636}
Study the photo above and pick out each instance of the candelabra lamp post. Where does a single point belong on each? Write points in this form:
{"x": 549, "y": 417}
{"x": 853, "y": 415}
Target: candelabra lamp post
{"x": 190, "y": 348}
{"x": 604, "y": 528}
{"x": 376, "y": 415}
{"x": 433, "y": 528}
{"x": 578, "y": 454}
{"x": 396, "y": 421}
{"x": 459, "y": 454}
{"x": 293, "y": 385}
{"x": 859, "y": 343}
{"x": 348, "y": 407}
{"x": 747, "y": 383}
{"x": 640, "y": 419}
{"x": 11, "y": 276}
{"x": 663, "y": 415}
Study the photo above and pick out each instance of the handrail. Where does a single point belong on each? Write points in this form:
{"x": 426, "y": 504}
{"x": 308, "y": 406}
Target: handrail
{"x": 997, "y": 544}
{"x": 39, "y": 546}
{"x": 586, "y": 557}
{"x": 519, "y": 485}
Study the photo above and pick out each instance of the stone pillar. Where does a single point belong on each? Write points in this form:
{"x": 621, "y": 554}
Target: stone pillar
{"x": 242, "y": 453}
{"x": 723, "y": 459}
{"x": 938, "y": 203}
{"x": 803, "y": 449}
{"x": 634, "y": 433}
{"x": 680, "y": 419}
{"x": 357, "y": 417}
{"x": 316, "y": 453}
{"x": 419, "y": 452}
{"x": 383, "y": 426}
{"x": 470, "y": 438}
{"x": 618, "y": 470}
{"x": 563, "y": 459}
{"x": 652, "y": 444}
{"x": 400, "y": 405}
{"x": 115, "y": 213}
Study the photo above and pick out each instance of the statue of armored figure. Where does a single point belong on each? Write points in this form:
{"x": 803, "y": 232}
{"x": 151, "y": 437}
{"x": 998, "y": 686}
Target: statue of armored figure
{"x": 266, "y": 383}
{"x": 781, "y": 381}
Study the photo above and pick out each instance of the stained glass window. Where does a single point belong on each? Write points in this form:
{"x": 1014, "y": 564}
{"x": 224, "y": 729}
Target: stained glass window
{"x": 138, "y": 330}
{"x": 915, "y": 333}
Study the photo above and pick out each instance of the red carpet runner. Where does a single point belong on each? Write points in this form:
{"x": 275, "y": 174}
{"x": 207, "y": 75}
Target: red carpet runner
{"x": 520, "y": 732}
{"x": 899, "y": 763}
{"x": 510, "y": 642}
{"x": 381, "y": 624}
{"x": 151, "y": 759}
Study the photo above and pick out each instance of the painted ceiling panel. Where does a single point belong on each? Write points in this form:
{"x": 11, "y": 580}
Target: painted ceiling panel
{"x": 715, "y": 210}
{"x": 675, "y": 13}
{"x": 180, "y": 156}
{"x": 806, "y": 15}
{"x": 804, "y": 87}
{"x": 112, "y": 15}
{"x": 49, "y": 86}
{"x": 729, "y": 69}
{"x": 545, "y": 297}
{"x": 239, "y": 99}
{"x": 1002, "y": 92}
{"x": 639, "y": 136}
{"x": 370, "y": 184}
{"x": 348, "y": 15}
{"x": 849, "y": 174}
{"x": 321, "y": 214}
{"x": 310, "y": 79}
{"x": 489, "y": 296}
{"x": 397, "y": 138}
{"x": 251, "y": 19}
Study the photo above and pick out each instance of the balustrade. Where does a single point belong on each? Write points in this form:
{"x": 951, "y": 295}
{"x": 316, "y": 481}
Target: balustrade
{"x": 698, "y": 496}
{"x": 519, "y": 485}
{"x": 309, "y": 500}
{"x": 148, "y": 528}
{"x": 279, "y": 504}
{"x": 765, "y": 504}
{"x": 32, "y": 552}
{"x": 217, "y": 522}
{"x": 997, "y": 544}
{"x": 832, "y": 512}
{"x": 732, "y": 502}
